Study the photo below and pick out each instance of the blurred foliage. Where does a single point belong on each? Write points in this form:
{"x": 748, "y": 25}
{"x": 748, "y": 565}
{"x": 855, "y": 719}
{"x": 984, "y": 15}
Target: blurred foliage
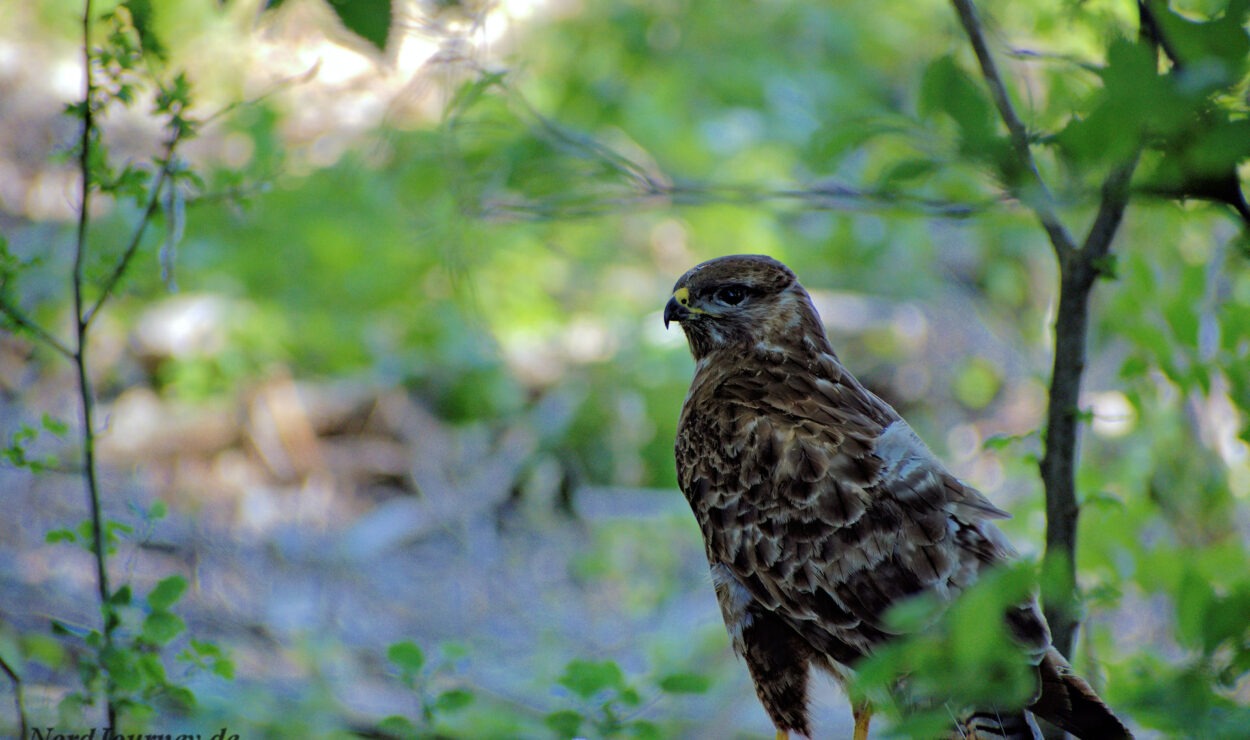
{"x": 964, "y": 656}
{"x": 521, "y": 247}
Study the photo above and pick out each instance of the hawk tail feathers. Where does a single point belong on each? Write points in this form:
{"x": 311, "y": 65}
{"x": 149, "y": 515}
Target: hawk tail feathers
{"x": 1071, "y": 704}
{"x": 991, "y": 725}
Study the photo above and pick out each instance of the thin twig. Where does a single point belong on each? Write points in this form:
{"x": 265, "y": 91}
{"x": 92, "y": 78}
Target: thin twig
{"x": 1033, "y": 192}
{"x": 821, "y": 197}
{"x": 23, "y": 729}
{"x": 149, "y": 210}
{"x": 279, "y": 86}
{"x": 21, "y": 319}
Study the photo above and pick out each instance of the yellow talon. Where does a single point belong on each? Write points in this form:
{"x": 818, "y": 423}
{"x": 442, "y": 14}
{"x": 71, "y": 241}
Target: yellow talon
{"x": 783, "y": 735}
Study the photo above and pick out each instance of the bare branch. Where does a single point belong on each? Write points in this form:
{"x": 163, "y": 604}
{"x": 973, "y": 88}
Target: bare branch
{"x": 825, "y": 196}
{"x": 279, "y": 86}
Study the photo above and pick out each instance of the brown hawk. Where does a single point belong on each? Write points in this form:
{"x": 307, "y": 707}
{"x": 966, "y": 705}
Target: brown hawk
{"x": 821, "y": 508}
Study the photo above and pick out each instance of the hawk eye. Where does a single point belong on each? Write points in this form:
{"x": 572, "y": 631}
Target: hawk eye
{"x": 731, "y": 295}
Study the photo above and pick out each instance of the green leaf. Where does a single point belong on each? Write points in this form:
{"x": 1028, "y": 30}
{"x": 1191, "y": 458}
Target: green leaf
{"x": 1193, "y": 596}
{"x": 1223, "y": 38}
{"x": 629, "y": 696}
{"x": 946, "y": 88}
{"x": 1135, "y": 103}
{"x": 43, "y": 649}
{"x": 166, "y": 592}
{"x": 121, "y": 597}
{"x": 930, "y": 723}
{"x": 60, "y": 535}
{"x": 914, "y": 614}
{"x": 153, "y": 669}
{"x": 205, "y": 648}
{"x": 224, "y": 667}
{"x": 453, "y": 650}
{"x": 453, "y": 700}
{"x": 587, "y": 678}
{"x": 112, "y": 620}
{"x": 182, "y": 697}
{"x": 406, "y": 656}
{"x": 685, "y": 683}
{"x": 396, "y": 724}
{"x": 121, "y": 667}
{"x": 906, "y": 171}
{"x": 369, "y": 19}
{"x": 54, "y": 425}
{"x": 564, "y": 723}
{"x": 1225, "y": 620}
{"x": 641, "y": 728}
{"x": 70, "y": 709}
{"x": 143, "y": 15}
{"x": 1107, "y": 266}
{"x": 836, "y": 138}
{"x": 1103, "y": 498}
{"x": 161, "y": 627}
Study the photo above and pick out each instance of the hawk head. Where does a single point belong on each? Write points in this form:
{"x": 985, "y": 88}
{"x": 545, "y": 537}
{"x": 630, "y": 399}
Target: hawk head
{"x": 742, "y": 302}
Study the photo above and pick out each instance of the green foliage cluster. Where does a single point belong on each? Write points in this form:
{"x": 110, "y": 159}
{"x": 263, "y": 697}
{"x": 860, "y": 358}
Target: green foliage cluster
{"x": 121, "y": 664}
{"x": 599, "y": 700}
{"x": 964, "y": 656}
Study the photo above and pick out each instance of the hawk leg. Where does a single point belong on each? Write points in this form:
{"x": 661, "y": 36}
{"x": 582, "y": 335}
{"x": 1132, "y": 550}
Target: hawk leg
{"x": 778, "y": 661}
{"x": 863, "y": 714}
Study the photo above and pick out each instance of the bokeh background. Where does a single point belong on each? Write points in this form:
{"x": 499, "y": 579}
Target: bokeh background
{"x": 397, "y": 371}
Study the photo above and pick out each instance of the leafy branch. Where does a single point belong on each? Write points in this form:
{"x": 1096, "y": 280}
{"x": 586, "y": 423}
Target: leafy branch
{"x": 108, "y": 77}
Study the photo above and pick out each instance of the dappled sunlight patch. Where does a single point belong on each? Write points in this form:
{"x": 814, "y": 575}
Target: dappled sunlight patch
{"x": 1113, "y": 413}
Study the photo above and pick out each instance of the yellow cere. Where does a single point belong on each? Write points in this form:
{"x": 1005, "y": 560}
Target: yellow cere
{"x": 682, "y": 296}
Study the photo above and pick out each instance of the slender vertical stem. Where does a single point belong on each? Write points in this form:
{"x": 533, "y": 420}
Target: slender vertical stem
{"x": 23, "y": 728}
{"x": 80, "y": 353}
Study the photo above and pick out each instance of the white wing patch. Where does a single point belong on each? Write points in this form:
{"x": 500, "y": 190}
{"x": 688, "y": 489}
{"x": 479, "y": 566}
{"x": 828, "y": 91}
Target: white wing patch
{"x": 904, "y": 453}
{"x": 910, "y": 469}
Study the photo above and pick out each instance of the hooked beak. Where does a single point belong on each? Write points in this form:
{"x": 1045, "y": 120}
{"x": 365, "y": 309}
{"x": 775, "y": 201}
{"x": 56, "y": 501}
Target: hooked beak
{"x": 674, "y": 311}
